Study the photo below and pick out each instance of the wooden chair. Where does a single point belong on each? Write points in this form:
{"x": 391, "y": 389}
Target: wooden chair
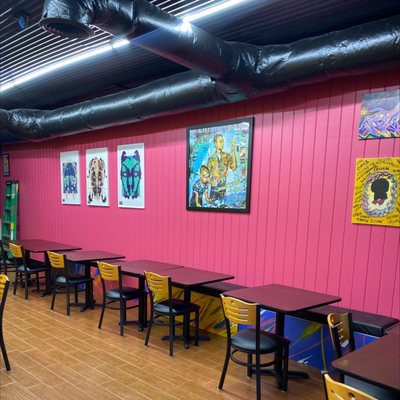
{"x": 119, "y": 293}
{"x": 6, "y": 263}
{"x": 63, "y": 280}
{"x": 164, "y": 305}
{"x": 252, "y": 341}
{"x": 25, "y": 267}
{"x": 339, "y": 391}
{"x": 342, "y": 333}
{"x": 4, "y": 284}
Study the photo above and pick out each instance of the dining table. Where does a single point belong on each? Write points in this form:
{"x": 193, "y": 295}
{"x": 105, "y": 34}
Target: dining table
{"x": 86, "y": 258}
{"x": 43, "y": 246}
{"x": 377, "y": 363}
{"x": 283, "y": 300}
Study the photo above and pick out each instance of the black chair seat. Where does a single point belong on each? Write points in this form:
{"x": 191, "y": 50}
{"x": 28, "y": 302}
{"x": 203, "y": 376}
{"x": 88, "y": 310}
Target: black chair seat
{"x": 246, "y": 340}
{"x": 128, "y": 293}
{"x": 32, "y": 269}
{"x": 74, "y": 279}
{"x": 178, "y": 307}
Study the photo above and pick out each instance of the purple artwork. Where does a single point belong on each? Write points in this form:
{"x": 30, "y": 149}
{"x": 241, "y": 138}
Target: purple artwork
{"x": 380, "y": 115}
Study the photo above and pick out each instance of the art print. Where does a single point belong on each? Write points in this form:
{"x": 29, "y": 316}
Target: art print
{"x": 97, "y": 187}
{"x": 380, "y": 115}
{"x": 376, "y": 193}
{"x": 131, "y": 175}
{"x": 219, "y": 166}
{"x": 70, "y": 182}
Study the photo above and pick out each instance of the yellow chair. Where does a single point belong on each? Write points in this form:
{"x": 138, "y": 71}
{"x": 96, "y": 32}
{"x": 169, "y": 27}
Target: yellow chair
{"x": 119, "y": 293}
{"x": 339, "y": 391}
{"x": 6, "y": 263}
{"x": 253, "y": 341}
{"x": 25, "y": 267}
{"x": 163, "y": 305}
{"x": 63, "y": 280}
{"x": 341, "y": 330}
{"x": 4, "y": 284}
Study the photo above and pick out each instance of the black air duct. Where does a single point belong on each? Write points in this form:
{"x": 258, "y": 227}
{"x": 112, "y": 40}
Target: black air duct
{"x": 228, "y": 71}
{"x": 182, "y": 92}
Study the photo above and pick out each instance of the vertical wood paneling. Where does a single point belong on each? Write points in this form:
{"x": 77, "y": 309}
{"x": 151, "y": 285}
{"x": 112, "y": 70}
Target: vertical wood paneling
{"x": 299, "y": 230}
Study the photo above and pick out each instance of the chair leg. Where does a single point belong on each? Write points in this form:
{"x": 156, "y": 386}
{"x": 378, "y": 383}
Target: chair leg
{"x": 53, "y": 299}
{"x": 196, "y": 328}
{"x": 146, "y": 342}
{"x": 76, "y": 294}
{"x": 37, "y": 282}
{"x": 16, "y": 282}
{"x": 258, "y": 376}
{"x": 225, "y": 367}
{"x": 172, "y": 334}
{"x": 67, "y": 299}
{"x": 3, "y": 350}
{"x": 122, "y": 316}
{"x": 26, "y": 286}
{"x": 91, "y": 295}
{"x": 249, "y": 366}
{"x": 103, "y": 307}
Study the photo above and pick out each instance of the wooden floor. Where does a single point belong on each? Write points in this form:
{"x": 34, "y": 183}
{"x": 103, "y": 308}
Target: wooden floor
{"x": 55, "y": 357}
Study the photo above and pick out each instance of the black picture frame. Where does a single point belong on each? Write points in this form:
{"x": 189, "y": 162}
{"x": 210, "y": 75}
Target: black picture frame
{"x": 6, "y": 164}
{"x": 218, "y": 166}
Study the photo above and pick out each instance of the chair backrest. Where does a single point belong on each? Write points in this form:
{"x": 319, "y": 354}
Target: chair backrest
{"x": 3, "y": 252}
{"x": 159, "y": 286}
{"x": 339, "y": 391}
{"x": 109, "y": 272}
{"x": 240, "y": 312}
{"x": 57, "y": 260}
{"x": 4, "y": 284}
{"x": 17, "y": 251}
{"x": 341, "y": 330}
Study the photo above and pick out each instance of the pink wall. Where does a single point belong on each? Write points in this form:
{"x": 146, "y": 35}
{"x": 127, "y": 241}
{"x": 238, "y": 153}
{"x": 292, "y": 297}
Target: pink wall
{"x": 299, "y": 231}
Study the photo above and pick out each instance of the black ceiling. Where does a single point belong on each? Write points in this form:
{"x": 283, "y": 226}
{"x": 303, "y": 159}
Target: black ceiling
{"x": 259, "y": 22}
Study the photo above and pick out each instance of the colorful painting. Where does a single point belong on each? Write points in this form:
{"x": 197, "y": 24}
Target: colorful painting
{"x": 131, "y": 175}
{"x": 376, "y": 193}
{"x": 380, "y": 115}
{"x": 70, "y": 182}
{"x": 97, "y": 192}
{"x": 6, "y": 164}
{"x": 219, "y": 166}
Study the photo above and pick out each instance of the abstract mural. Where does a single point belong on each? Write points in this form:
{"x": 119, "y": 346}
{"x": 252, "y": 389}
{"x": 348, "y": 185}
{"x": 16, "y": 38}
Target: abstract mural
{"x": 380, "y": 115}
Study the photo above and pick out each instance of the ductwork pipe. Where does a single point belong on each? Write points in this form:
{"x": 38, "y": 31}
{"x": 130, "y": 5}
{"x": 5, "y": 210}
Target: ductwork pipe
{"x": 255, "y": 69}
{"x": 184, "y": 92}
{"x": 237, "y": 70}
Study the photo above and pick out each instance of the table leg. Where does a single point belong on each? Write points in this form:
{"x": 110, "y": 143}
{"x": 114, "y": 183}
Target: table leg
{"x": 280, "y": 330}
{"x": 89, "y": 300}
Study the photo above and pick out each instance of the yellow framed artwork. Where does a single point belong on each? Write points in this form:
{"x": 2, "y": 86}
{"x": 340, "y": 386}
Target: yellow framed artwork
{"x": 376, "y": 192}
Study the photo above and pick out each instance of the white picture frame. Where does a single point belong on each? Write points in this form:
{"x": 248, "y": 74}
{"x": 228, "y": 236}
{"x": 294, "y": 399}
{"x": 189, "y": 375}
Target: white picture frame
{"x": 70, "y": 179}
{"x": 131, "y": 175}
{"x": 97, "y": 183}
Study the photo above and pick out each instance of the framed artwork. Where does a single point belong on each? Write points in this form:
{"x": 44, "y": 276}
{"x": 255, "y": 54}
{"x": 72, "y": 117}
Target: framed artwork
{"x": 131, "y": 175}
{"x": 376, "y": 192}
{"x": 380, "y": 113}
{"x": 70, "y": 182}
{"x": 6, "y": 164}
{"x": 97, "y": 187}
{"x": 219, "y": 166}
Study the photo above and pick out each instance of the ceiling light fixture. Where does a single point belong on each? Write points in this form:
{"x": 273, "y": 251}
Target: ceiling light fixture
{"x": 108, "y": 47}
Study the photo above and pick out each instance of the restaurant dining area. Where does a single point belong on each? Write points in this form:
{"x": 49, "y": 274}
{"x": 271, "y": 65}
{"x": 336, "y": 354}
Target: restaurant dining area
{"x": 200, "y": 200}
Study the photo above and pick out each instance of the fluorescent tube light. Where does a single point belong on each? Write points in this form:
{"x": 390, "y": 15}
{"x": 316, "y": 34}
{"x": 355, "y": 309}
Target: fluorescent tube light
{"x": 108, "y": 47}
